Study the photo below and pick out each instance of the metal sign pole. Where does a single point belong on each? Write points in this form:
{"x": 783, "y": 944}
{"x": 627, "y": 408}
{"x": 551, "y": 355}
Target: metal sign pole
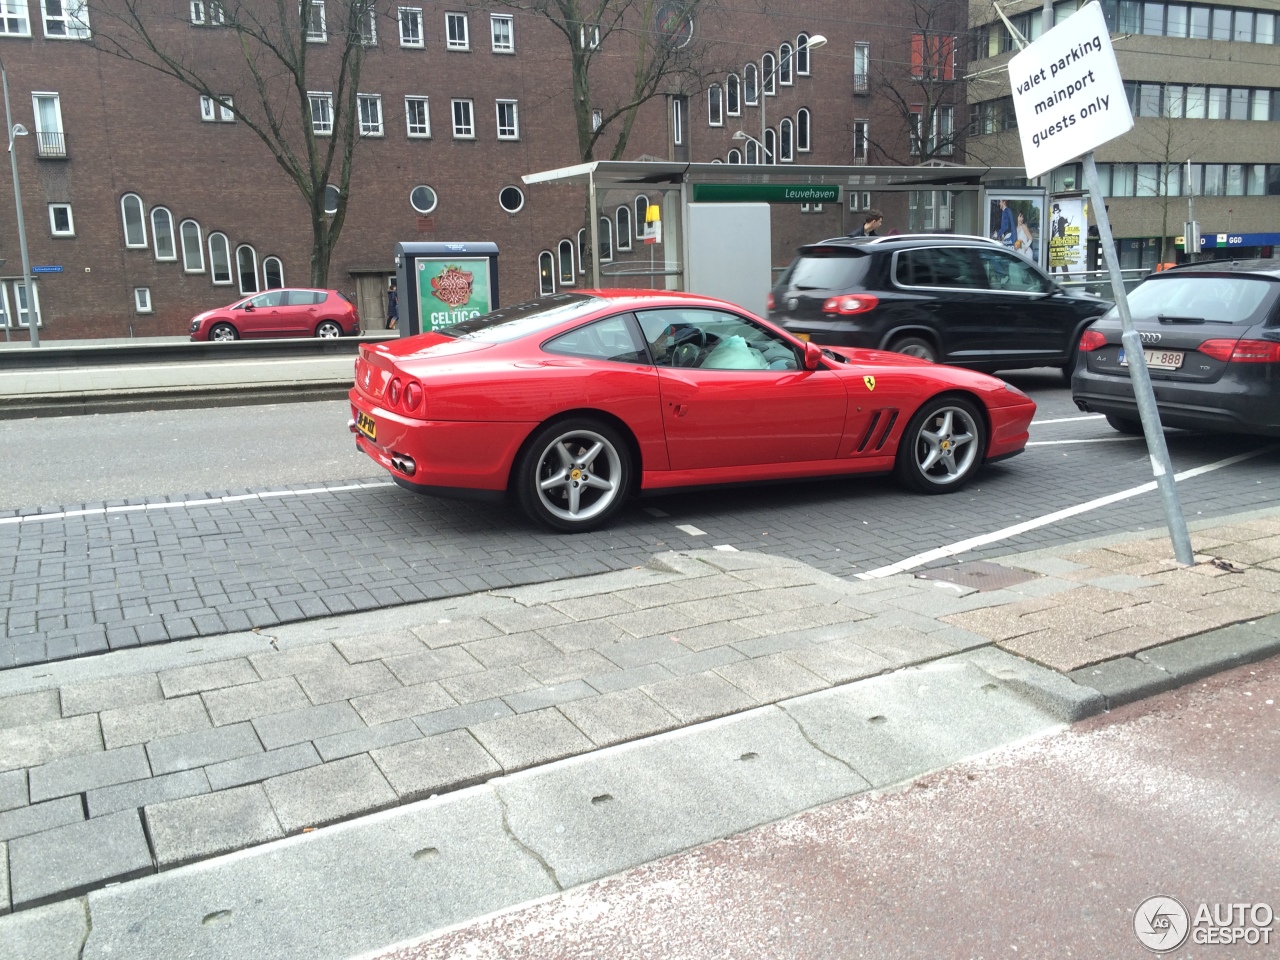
{"x": 1143, "y": 392}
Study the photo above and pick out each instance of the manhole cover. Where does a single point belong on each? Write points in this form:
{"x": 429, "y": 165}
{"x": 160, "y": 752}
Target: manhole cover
{"x": 980, "y": 575}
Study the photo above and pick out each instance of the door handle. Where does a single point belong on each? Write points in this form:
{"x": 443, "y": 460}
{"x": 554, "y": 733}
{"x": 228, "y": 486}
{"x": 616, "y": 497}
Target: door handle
{"x": 679, "y": 409}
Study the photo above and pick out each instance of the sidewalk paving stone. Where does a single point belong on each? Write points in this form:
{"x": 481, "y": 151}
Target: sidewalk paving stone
{"x": 260, "y": 766}
{"x": 402, "y": 703}
{"x": 202, "y": 748}
{"x": 564, "y": 667}
{"x": 447, "y": 633}
{"x": 550, "y": 696}
{"x": 25, "y": 709}
{"x": 81, "y": 856}
{"x": 343, "y": 683}
{"x": 329, "y": 792}
{"x": 709, "y": 635}
{"x": 142, "y": 793}
{"x": 206, "y": 676}
{"x": 39, "y": 743}
{"x": 378, "y": 646}
{"x": 849, "y": 662}
{"x": 363, "y": 739}
{"x": 466, "y": 715}
{"x": 38, "y": 817}
{"x": 617, "y": 717}
{"x": 295, "y": 660}
{"x": 510, "y": 649}
{"x": 251, "y": 700}
{"x": 152, "y": 721}
{"x": 519, "y": 619}
{"x": 529, "y": 739}
{"x": 630, "y": 679}
{"x": 430, "y": 665}
{"x": 13, "y": 790}
{"x": 702, "y": 660}
{"x": 447, "y": 761}
{"x": 310, "y": 723}
{"x": 488, "y": 684}
{"x": 702, "y": 696}
{"x": 650, "y": 621}
{"x": 204, "y": 826}
{"x": 95, "y": 696}
{"x": 593, "y": 607}
{"x": 643, "y": 651}
{"x": 769, "y": 679}
{"x": 73, "y": 775}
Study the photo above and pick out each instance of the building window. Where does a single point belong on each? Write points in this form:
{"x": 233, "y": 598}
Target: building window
{"x": 508, "y": 120}
{"x": 332, "y": 198}
{"x": 803, "y": 138}
{"x": 946, "y": 123}
{"x": 733, "y": 95}
{"x": 582, "y": 250}
{"x": 916, "y": 130}
{"x": 423, "y": 199}
{"x": 502, "y": 32}
{"x": 565, "y": 252}
{"x": 511, "y": 199}
{"x": 597, "y": 119}
{"x": 715, "y": 105}
{"x": 786, "y": 56}
{"x": 313, "y": 16}
{"x": 861, "y": 67}
{"x": 225, "y": 112}
{"x": 622, "y": 220}
{"x": 247, "y": 266}
{"x": 65, "y": 19}
{"x": 411, "y": 27}
{"x": 786, "y": 141}
{"x": 753, "y": 151}
{"x": 933, "y": 57}
{"x": 13, "y": 18}
{"x": 456, "y": 35}
{"x": 642, "y": 215}
{"x": 192, "y": 247}
{"x": 546, "y": 274}
{"x": 60, "y": 221}
{"x": 219, "y": 258}
{"x": 321, "y": 113}
{"x": 734, "y": 156}
{"x": 369, "y": 28}
{"x": 272, "y": 273}
{"x": 135, "y": 226}
{"x": 606, "y": 240}
{"x": 417, "y": 116}
{"x": 370, "y": 115}
{"x": 861, "y": 140}
{"x": 50, "y": 140}
{"x": 768, "y": 75}
{"x": 464, "y": 127}
{"x": 751, "y": 85}
{"x": 802, "y": 55}
{"x": 589, "y": 38}
{"x": 770, "y": 146}
{"x": 162, "y": 234}
{"x": 677, "y": 120}
{"x": 142, "y": 299}
{"x": 208, "y": 112}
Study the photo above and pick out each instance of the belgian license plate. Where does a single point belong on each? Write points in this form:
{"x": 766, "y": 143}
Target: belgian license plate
{"x": 366, "y": 425}
{"x": 1158, "y": 359}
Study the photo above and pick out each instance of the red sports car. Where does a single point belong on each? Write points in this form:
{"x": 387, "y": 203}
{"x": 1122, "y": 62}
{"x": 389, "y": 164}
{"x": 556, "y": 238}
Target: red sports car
{"x": 573, "y": 402}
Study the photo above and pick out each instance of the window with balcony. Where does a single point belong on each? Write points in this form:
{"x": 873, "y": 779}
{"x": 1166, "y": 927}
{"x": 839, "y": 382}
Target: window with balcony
{"x": 411, "y": 27}
{"x": 51, "y": 141}
{"x": 65, "y": 19}
{"x": 861, "y": 67}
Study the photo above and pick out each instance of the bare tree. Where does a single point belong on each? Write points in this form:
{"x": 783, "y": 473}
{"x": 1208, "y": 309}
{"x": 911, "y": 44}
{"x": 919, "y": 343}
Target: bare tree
{"x": 311, "y": 137}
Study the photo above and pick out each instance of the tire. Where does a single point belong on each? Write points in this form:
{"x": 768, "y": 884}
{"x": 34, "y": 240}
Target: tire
{"x": 223, "y": 333}
{"x": 545, "y": 483}
{"x": 328, "y": 330}
{"x": 915, "y": 347}
{"x": 1069, "y": 368}
{"x": 943, "y": 446}
{"x": 1123, "y": 425}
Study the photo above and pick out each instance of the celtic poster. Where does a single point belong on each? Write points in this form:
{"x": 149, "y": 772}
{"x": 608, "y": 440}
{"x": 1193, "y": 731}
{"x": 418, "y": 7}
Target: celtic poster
{"x": 452, "y": 289}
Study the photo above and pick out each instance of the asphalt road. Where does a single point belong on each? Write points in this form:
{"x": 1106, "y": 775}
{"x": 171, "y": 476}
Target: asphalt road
{"x": 1044, "y": 849}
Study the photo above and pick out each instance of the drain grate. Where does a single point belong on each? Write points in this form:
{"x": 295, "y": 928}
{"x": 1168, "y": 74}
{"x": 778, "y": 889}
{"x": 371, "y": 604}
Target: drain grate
{"x": 980, "y": 575}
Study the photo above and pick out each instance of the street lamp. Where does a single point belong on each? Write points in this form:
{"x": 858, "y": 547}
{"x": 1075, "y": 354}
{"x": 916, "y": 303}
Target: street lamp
{"x": 18, "y": 130}
{"x": 817, "y": 40}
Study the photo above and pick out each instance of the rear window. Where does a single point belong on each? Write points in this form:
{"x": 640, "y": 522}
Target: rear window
{"x": 515, "y": 321}
{"x": 826, "y": 268}
{"x": 1236, "y": 299}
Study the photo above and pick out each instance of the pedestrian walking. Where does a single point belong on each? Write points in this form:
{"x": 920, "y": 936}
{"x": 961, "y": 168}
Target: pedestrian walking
{"x": 393, "y": 306}
{"x": 871, "y": 222}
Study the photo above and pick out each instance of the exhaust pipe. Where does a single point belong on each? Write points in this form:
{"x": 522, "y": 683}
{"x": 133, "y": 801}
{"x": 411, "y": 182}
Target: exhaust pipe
{"x": 404, "y": 464}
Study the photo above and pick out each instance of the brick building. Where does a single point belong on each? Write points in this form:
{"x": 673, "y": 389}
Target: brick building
{"x": 156, "y": 203}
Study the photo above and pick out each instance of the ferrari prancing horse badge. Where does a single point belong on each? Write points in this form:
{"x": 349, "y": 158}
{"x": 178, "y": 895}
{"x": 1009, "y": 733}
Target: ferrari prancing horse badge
{"x": 870, "y": 382}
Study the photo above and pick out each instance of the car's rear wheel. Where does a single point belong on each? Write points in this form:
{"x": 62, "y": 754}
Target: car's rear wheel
{"x": 223, "y": 332}
{"x": 1123, "y": 424}
{"x": 574, "y": 475}
{"x": 915, "y": 347}
{"x": 943, "y": 446}
{"x": 328, "y": 330}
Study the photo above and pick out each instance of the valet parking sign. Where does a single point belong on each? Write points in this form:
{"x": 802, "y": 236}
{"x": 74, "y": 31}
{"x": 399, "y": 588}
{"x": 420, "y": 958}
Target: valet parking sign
{"x": 1067, "y": 92}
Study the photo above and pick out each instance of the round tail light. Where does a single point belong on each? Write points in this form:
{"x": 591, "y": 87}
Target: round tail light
{"x": 393, "y": 392}
{"x": 412, "y": 395}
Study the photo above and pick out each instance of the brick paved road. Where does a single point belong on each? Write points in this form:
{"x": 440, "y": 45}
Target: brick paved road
{"x": 81, "y": 584}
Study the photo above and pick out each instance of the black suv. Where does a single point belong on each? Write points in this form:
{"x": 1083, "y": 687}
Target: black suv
{"x": 951, "y": 299}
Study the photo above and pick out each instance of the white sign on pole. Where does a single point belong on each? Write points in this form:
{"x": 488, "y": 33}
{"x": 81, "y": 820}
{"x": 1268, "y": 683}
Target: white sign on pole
{"x": 1067, "y": 92}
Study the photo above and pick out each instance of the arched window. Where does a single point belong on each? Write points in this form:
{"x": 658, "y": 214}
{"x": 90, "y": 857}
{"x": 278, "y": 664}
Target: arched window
{"x": 785, "y": 63}
{"x": 786, "y": 141}
{"x": 546, "y": 274}
{"x": 567, "y": 275}
{"x": 219, "y": 258}
{"x": 162, "y": 234}
{"x": 642, "y": 215}
{"x": 135, "y": 224}
{"x": 802, "y": 130}
{"x": 802, "y": 55}
{"x": 733, "y": 95}
{"x": 715, "y": 105}
{"x": 753, "y": 152}
{"x": 622, "y": 219}
{"x": 768, "y": 75}
{"x": 272, "y": 273}
{"x": 192, "y": 247}
{"x": 582, "y": 250}
{"x": 606, "y": 240}
{"x": 751, "y": 85}
{"x": 735, "y": 156}
{"x": 770, "y": 146}
{"x": 247, "y": 268}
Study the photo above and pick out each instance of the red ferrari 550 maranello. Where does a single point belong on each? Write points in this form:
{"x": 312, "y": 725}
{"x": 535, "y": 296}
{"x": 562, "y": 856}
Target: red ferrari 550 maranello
{"x": 573, "y": 402}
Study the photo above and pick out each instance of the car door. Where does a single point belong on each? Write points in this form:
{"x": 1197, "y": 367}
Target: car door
{"x": 260, "y": 316}
{"x": 1028, "y": 322}
{"x": 736, "y": 394}
{"x": 951, "y": 281}
{"x": 302, "y": 313}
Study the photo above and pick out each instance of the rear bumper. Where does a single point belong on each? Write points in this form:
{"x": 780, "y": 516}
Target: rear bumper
{"x": 1231, "y": 406}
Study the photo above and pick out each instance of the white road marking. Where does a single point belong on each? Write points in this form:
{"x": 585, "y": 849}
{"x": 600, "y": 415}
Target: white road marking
{"x": 1052, "y": 443}
{"x": 725, "y": 548}
{"x": 690, "y": 529}
{"x": 1092, "y": 416}
{"x": 939, "y": 553}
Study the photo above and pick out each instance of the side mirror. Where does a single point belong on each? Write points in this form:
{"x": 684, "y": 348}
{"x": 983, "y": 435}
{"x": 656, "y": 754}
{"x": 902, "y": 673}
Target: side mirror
{"x": 248, "y": 308}
{"x": 812, "y": 356}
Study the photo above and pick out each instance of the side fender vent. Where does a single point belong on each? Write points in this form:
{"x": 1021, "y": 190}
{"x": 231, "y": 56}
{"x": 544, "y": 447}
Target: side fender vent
{"x": 871, "y": 428}
{"x": 888, "y": 428}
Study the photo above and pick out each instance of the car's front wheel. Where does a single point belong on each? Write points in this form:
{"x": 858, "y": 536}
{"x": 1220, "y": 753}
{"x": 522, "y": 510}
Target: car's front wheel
{"x": 943, "y": 446}
{"x": 223, "y": 332}
{"x": 574, "y": 475}
{"x": 915, "y": 347}
{"x": 328, "y": 330}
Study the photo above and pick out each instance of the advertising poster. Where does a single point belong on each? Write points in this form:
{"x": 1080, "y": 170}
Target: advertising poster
{"x": 1068, "y": 233}
{"x": 1016, "y": 220}
{"x": 452, "y": 290}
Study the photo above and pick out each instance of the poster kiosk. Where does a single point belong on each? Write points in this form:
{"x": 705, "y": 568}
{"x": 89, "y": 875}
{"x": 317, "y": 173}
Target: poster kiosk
{"x": 443, "y": 283}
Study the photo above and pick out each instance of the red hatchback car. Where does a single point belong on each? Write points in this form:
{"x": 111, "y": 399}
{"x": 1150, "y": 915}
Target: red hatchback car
{"x": 573, "y": 402}
{"x": 291, "y": 312}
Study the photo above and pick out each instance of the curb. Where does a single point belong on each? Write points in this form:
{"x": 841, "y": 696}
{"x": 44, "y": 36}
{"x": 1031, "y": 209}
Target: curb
{"x": 121, "y": 401}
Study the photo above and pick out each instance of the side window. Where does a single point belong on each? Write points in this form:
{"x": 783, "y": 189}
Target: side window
{"x": 610, "y": 339}
{"x": 272, "y": 299}
{"x": 938, "y": 267}
{"x": 713, "y": 340}
{"x": 1008, "y": 271}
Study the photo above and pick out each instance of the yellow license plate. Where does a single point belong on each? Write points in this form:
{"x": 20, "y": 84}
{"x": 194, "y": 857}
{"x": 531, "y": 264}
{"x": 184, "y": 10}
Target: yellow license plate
{"x": 366, "y": 425}
{"x": 802, "y": 336}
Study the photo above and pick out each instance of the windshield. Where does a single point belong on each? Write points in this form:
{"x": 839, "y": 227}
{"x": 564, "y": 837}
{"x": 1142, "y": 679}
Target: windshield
{"x": 508, "y": 323}
{"x": 826, "y": 268}
{"x": 1200, "y": 297}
